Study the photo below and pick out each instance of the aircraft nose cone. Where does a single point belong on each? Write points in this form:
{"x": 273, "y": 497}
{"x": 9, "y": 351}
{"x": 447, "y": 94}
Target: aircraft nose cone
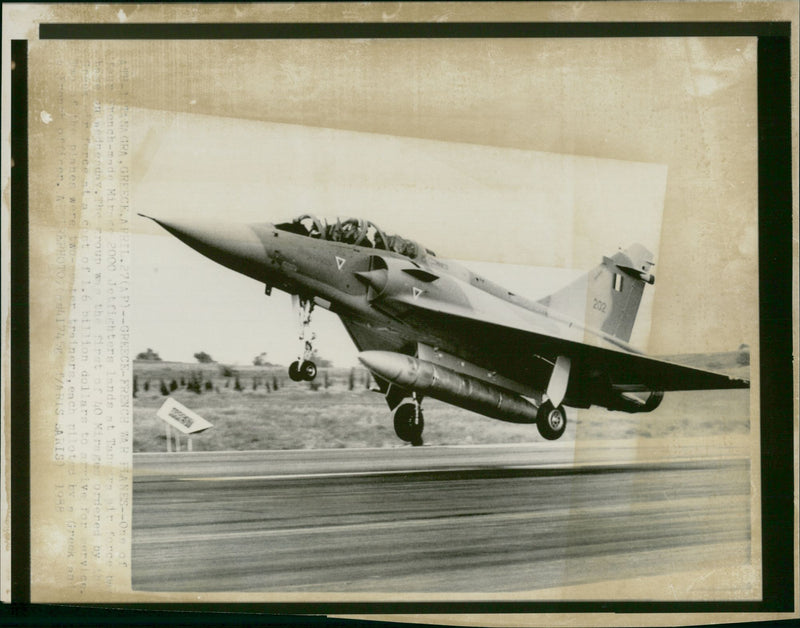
{"x": 234, "y": 245}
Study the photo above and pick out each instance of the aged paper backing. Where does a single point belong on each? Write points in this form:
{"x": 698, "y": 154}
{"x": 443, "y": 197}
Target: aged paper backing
{"x": 502, "y": 139}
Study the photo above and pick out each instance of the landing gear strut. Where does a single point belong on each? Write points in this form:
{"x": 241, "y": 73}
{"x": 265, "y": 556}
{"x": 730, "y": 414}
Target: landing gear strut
{"x": 303, "y": 368}
{"x": 409, "y": 422}
{"x": 551, "y": 420}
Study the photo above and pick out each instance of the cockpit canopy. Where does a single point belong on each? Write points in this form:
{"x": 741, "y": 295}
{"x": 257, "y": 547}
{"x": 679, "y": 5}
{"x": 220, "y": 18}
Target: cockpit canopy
{"x": 356, "y": 231}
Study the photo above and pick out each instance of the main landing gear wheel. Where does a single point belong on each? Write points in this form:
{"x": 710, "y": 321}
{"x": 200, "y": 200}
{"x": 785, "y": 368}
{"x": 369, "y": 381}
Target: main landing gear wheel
{"x": 299, "y": 372}
{"x": 409, "y": 423}
{"x": 551, "y": 421}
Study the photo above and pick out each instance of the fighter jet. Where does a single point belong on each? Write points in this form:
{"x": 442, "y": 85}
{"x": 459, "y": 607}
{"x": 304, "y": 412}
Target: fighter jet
{"x": 426, "y": 327}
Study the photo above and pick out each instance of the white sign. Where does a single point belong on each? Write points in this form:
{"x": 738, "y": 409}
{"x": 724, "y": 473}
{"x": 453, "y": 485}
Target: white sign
{"x": 181, "y": 418}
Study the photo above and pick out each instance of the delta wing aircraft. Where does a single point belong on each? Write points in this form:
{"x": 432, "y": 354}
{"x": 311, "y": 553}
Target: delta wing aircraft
{"x": 426, "y": 327}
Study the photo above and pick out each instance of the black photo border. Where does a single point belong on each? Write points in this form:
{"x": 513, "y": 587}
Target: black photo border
{"x": 775, "y": 297}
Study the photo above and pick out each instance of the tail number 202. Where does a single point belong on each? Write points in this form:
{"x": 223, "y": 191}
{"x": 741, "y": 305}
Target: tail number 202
{"x": 599, "y": 305}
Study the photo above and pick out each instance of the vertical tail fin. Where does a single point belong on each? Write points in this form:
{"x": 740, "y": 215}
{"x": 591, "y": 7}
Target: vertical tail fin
{"x": 607, "y": 298}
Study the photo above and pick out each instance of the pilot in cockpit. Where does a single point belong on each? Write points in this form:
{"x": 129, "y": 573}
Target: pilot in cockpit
{"x": 402, "y": 246}
{"x": 354, "y": 231}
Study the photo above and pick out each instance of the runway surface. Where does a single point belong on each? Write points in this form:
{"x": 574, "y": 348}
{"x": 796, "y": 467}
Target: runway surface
{"x": 437, "y": 519}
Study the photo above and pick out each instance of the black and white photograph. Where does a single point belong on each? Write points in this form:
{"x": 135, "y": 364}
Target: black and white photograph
{"x": 380, "y": 318}
{"x": 449, "y": 414}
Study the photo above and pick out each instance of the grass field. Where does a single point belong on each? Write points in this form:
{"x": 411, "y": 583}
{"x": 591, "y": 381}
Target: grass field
{"x": 305, "y": 416}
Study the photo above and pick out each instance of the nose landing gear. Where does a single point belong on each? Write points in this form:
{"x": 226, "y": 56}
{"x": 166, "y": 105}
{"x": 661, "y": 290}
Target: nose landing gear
{"x": 302, "y": 371}
{"x": 303, "y": 368}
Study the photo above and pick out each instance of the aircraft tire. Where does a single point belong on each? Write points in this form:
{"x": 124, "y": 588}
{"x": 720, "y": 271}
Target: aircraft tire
{"x": 551, "y": 421}
{"x": 409, "y": 423}
{"x": 294, "y": 372}
{"x": 308, "y": 370}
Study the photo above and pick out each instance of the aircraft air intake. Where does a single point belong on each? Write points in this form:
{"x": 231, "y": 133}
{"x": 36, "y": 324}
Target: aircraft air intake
{"x": 374, "y": 279}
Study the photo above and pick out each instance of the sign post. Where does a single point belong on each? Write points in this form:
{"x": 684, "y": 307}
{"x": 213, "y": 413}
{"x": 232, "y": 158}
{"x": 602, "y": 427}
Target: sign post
{"x": 185, "y": 421}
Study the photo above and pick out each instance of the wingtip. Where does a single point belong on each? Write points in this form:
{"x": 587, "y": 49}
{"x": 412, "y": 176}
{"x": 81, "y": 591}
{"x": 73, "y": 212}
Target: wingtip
{"x": 738, "y": 382}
